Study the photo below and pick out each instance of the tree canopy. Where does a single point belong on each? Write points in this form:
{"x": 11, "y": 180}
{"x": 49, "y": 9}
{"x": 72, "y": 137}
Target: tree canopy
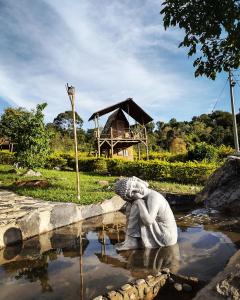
{"x": 212, "y": 32}
{"x": 64, "y": 121}
{"x": 28, "y": 133}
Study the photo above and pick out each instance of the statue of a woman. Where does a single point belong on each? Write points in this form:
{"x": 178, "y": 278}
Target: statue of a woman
{"x": 150, "y": 220}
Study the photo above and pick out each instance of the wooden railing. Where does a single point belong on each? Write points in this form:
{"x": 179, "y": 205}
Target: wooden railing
{"x": 125, "y": 134}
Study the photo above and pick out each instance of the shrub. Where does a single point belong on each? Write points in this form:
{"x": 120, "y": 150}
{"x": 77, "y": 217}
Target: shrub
{"x": 224, "y": 151}
{"x": 190, "y": 172}
{"x": 6, "y": 157}
{"x": 167, "y": 156}
{"x": 56, "y": 160}
{"x": 203, "y": 151}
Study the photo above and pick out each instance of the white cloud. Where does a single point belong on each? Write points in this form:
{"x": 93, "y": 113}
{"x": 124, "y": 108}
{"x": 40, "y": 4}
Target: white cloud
{"x": 109, "y": 50}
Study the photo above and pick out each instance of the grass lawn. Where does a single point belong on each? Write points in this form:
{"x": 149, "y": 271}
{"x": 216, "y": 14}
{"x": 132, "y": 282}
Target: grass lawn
{"x": 62, "y": 186}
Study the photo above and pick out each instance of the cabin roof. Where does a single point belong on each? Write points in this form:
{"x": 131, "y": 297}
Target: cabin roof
{"x": 130, "y": 107}
{"x": 117, "y": 114}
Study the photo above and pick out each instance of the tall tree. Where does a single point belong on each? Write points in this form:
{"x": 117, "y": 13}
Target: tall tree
{"x": 212, "y": 32}
{"x": 64, "y": 122}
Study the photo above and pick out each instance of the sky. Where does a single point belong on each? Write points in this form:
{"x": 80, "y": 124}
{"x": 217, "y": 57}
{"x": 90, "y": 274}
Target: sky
{"x": 109, "y": 50}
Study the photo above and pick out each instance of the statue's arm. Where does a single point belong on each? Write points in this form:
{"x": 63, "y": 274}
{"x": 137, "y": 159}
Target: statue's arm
{"x": 148, "y": 217}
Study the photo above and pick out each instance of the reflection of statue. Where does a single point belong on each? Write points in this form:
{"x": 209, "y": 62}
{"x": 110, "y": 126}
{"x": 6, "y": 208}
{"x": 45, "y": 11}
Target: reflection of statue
{"x": 145, "y": 261}
{"x": 150, "y": 221}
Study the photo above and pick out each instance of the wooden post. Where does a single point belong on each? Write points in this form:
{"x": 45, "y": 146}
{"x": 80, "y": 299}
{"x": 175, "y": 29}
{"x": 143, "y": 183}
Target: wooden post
{"x": 146, "y": 138}
{"x": 98, "y": 137}
{"x": 71, "y": 94}
{"x": 139, "y": 151}
{"x": 111, "y": 142}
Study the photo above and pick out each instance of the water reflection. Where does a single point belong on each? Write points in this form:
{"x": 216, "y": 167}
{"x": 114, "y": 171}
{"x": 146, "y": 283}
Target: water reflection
{"x": 145, "y": 261}
{"x": 80, "y": 261}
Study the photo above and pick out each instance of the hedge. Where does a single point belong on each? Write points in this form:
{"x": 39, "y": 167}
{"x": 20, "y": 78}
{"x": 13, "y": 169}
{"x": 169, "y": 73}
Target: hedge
{"x": 188, "y": 172}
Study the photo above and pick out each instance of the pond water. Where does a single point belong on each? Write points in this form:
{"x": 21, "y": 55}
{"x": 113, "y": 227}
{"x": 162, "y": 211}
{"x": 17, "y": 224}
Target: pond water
{"x": 80, "y": 261}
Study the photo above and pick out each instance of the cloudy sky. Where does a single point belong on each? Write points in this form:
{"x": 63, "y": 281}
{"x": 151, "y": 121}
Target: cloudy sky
{"x": 109, "y": 50}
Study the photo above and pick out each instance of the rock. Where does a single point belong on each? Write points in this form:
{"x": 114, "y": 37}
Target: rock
{"x": 103, "y": 182}
{"x": 178, "y": 287}
{"x": 32, "y": 183}
{"x": 126, "y": 287}
{"x": 171, "y": 280}
{"x": 165, "y": 271}
{"x": 187, "y": 287}
{"x": 222, "y": 190}
{"x": 140, "y": 281}
{"x": 30, "y": 173}
{"x": 226, "y": 284}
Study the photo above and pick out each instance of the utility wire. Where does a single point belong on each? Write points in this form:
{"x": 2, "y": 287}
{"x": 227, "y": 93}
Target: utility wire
{"x": 220, "y": 94}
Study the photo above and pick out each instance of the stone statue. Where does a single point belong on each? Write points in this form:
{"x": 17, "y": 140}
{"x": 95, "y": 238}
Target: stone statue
{"x": 150, "y": 220}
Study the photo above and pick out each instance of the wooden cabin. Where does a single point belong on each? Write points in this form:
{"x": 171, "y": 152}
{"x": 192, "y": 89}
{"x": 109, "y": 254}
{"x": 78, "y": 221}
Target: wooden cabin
{"x": 118, "y": 136}
{"x": 5, "y": 144}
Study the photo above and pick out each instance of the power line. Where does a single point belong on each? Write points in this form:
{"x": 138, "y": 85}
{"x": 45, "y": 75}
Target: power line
{"x": 220, "y": 94}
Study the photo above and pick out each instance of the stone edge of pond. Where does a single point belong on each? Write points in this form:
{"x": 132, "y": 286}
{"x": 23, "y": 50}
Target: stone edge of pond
{"x": 225, "y": 284}
{"x": 147, "y": 289}
{"x": 25, "y": 217}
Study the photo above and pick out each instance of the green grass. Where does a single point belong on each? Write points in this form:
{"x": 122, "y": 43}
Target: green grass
{"x": 62, "y": 186}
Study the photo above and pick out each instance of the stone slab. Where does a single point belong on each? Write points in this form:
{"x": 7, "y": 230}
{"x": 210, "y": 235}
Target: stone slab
{"x": 24, "y": 217}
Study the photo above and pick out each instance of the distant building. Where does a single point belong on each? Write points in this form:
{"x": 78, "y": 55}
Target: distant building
{"x": 118, "y": 137}
{"x": 5, "y": 144}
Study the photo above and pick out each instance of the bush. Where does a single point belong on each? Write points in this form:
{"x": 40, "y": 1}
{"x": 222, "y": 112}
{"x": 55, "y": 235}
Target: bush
{"x": 190, "y": 172}
{"x": 203, "y": 151}
{"x": 225, "y": 151}
{"x": 56, "y": 161}
{"x": 167, "y": 156}
{"x": 6, "y": 157}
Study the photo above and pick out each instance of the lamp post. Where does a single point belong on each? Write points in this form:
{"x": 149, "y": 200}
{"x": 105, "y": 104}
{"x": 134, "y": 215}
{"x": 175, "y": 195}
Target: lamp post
{"x": 71, "y": 94}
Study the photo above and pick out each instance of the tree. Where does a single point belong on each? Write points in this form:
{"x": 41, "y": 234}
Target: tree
{"x": 212, "y": 31}
{"x": 64, "y": 122}
{"x": 28, "y": 133}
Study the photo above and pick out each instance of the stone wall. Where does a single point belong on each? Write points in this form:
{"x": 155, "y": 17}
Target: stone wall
{"x": 24, "y": 217}
{"x": 162, "y": 285}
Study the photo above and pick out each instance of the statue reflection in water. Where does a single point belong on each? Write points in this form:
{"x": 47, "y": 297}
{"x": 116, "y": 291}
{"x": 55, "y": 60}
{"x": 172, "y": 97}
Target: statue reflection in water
{"x": 142, "y": 262}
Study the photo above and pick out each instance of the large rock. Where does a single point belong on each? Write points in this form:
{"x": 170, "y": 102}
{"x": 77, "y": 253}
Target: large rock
{"x": 222, "y": 190}
{"x": 226, "y": 285}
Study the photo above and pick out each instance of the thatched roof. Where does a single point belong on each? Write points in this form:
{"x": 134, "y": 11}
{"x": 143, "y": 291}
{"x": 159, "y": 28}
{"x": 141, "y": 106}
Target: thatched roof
{"x": 130, "y": 107}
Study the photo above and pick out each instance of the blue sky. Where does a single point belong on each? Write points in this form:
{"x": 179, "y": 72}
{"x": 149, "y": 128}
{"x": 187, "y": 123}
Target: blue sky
{"x": 109, "y": 50}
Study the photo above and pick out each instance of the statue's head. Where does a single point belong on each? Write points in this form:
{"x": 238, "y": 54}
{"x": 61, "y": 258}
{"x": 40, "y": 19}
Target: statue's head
{"x": 131, "y": 188}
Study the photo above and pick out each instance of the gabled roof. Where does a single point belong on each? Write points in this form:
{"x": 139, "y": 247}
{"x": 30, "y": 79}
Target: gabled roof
{"x": 117, "y": 114}
{"x": 130, "y": 107}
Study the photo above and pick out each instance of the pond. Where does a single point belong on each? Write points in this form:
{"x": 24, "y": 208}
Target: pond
{"x": 80, "y": 261}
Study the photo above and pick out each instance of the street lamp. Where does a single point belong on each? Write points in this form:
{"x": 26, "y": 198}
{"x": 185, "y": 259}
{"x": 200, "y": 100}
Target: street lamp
{"x": 71, "y": 94}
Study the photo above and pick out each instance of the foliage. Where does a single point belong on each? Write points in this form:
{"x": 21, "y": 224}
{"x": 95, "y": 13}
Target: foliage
{"x": 6, "y": 157}
{"x": 28, "y": 133}
{"x": 64, "y": 121}
{"x": 190, "y": 172}
{"x": 214, "y": 129}
{"x": 212, "y": 32}
{"x": 203, "y": 151}
{"x": 167, "y": 156}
